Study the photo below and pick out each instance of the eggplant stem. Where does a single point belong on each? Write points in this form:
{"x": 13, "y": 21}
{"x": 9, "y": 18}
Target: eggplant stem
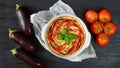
{"x": 10, "y": 32}
{"x": 18, "y": 6}
{"x": 14, "y": 51}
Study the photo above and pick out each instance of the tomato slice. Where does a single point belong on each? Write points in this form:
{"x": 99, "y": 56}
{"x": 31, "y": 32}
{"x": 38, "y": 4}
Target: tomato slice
{"x": 57, "y": 25}
{"x": 60, "y": 48}
{"x": 73, "y": 48}
{"x": 50, "y": 39}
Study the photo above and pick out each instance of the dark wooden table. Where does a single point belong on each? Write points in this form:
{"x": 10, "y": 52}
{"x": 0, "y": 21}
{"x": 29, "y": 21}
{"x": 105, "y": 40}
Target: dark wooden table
{"x": 108, "y": 57}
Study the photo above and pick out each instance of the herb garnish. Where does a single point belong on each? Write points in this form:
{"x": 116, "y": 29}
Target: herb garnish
{"x": 66, "y": 36}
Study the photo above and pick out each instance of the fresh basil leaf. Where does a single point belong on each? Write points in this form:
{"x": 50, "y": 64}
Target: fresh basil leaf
{"x": 65, "y": 31}
{"x": 67, "y": 40}
{"x": 71, "y": 36}
{"x": 60, "y": 36}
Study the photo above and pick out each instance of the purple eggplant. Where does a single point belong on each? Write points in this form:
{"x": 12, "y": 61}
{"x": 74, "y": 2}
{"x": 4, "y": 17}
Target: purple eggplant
{"x": 30, "y": 59}
{"x": 22, "y": 40}
{"x": 24, "y": 19}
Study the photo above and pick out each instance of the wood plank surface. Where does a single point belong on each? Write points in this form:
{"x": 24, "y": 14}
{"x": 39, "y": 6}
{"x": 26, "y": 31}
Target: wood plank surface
{"x": 108, "y": 57}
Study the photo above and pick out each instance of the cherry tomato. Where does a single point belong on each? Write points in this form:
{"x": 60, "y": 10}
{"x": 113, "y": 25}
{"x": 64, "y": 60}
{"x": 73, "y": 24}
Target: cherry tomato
{"x": 110, "y": 28}
{"x": 102, "y": 39}
{"x": 91, "y": 16}
{"x": 105, "y": 15}
{"x": 96, "y": 27}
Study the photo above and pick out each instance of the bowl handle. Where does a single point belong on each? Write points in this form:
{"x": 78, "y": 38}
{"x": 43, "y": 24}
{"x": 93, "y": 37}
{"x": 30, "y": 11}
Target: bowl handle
{"x": 87, "y": 53}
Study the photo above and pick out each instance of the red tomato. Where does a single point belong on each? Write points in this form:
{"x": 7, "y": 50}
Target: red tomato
{"x": 110, "y": 28}
{"x": 91, "y": 16}
{"x": 102, "y": 39}
{"x": 105, "y": 15}
{"x": 96, "y": 27}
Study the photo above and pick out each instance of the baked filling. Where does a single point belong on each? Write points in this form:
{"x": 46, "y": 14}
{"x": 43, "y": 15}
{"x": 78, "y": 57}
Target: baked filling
{"x": 65, "y": 36}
